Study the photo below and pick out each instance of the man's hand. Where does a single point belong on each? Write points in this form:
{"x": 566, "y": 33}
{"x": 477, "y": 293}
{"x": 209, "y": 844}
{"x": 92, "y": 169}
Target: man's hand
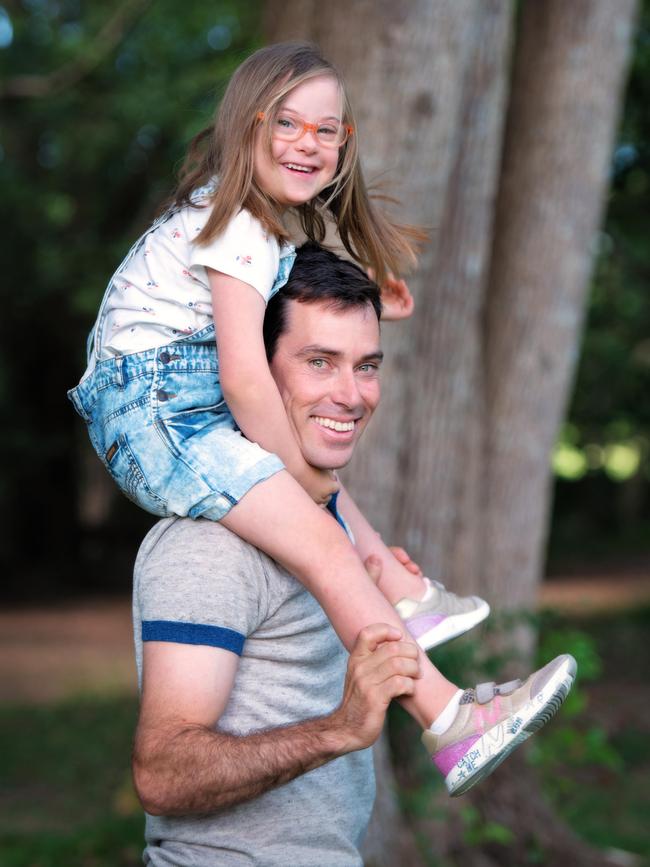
{"x": 373, "y": 563}
{"x": 382, "y": 666}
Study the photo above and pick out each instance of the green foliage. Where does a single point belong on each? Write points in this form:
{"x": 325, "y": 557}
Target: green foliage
{"x": 65, "y": 785}
{"x": 568, "y": 742}
{"x": 115, "y": 842}
{"x": 478, "y": 831}
{"x": 582, "y": 762}
{"x": 83, "y": 169}
{"x": 556, "y": 639}
{"x": 580, "y": 758}
{"x": 603, "y": 456}
{"x": 612, "y": 397}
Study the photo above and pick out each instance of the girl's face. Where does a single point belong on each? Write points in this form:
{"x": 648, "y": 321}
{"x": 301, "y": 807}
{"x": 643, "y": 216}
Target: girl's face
{"x": 296, "y": 171}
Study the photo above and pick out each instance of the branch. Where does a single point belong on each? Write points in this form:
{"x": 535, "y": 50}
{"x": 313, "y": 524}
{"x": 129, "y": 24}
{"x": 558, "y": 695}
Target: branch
{"x": 30, "y": 86}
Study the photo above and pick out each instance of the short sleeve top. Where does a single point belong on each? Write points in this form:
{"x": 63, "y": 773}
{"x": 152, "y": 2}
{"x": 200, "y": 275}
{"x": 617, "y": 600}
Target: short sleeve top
{"x": 161, "y": 291}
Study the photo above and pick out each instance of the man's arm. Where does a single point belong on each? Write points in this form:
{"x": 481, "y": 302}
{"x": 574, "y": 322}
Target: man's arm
{"x": 181, "y": 765}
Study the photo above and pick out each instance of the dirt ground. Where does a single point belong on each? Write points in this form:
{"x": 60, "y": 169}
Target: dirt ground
{"x": 79, "y": 648}
{"x": 87, "y": 647}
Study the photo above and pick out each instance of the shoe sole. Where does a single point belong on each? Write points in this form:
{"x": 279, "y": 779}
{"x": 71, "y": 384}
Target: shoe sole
{"x": 451, "y": 627}
{"x": 498, "y": 742}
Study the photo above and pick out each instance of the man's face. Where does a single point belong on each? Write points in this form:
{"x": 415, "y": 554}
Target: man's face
{"x": 326, "y": 366}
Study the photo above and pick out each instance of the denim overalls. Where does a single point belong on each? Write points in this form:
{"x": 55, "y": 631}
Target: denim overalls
{"x": 159, "y": 422}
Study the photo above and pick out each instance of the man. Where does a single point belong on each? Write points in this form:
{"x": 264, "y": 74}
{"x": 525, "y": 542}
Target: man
{"x": 251, "y": 743}
{"x": 251, "y": 746}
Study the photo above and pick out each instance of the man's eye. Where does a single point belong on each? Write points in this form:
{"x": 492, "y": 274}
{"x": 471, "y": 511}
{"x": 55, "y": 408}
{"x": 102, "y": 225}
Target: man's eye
{"x": 318, "y": 363}
{"x": 369, "y": 367}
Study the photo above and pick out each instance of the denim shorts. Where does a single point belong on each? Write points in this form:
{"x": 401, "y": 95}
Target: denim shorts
{"x": 160, "y": 425}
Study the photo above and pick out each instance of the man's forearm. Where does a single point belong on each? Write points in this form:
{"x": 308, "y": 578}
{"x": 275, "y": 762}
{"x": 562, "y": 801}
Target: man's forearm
{"x": 193, "y": 769}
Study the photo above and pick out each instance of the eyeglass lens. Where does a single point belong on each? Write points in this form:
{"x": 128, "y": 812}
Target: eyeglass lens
{"x": 291, "y": 128}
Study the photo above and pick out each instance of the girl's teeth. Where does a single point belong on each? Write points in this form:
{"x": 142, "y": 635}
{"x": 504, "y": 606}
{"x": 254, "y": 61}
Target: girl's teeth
{"x": 299, "y": 168}
{"x": 335, "y": 425}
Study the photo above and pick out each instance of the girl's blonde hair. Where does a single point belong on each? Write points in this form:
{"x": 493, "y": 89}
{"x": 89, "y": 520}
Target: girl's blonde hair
{"x": 225, "y": 149}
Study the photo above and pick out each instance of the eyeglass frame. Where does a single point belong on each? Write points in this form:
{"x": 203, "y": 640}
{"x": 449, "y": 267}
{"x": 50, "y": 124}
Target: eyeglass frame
{"x": 313, "y": 128}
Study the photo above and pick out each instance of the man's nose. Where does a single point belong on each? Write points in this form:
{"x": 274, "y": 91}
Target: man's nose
{"x": 345, "y": 390}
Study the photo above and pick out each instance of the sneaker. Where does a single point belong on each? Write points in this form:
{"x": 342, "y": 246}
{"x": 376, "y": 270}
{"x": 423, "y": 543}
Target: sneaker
{"x": 441, "y": 615}
{"x": 492, "y": 720}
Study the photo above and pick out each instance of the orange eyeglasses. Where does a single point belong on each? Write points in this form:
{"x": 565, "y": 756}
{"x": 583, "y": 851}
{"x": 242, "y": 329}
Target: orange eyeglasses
{"x": 291, "y": 127}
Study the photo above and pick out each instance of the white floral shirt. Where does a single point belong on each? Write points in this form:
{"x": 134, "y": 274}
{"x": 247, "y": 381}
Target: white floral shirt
{"x": 161, "y": 291}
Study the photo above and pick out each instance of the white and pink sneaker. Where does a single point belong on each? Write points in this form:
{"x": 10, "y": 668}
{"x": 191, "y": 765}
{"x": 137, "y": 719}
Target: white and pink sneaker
{"x": 440, "y": 615}
{"x": 493, "y": 720}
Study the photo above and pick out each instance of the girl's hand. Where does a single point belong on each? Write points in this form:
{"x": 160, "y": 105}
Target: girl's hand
{"x": 402, "y": 557}
{"x": 396, "y": 299}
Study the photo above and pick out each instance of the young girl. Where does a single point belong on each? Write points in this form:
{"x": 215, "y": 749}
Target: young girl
{"x": 184, "y": 433}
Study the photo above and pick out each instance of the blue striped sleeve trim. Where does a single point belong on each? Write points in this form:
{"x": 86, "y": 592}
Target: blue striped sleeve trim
{"x": 193, "y": 633}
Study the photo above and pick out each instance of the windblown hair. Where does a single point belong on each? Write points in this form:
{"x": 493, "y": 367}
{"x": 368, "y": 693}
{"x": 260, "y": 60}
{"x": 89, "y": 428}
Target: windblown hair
{"x": 319, "y": 276}
{"x": 225, "y": 150}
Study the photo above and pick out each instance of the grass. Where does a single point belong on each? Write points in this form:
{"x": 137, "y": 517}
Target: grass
{"x": 65, "y": 787}
{"x": 595, "y": 760}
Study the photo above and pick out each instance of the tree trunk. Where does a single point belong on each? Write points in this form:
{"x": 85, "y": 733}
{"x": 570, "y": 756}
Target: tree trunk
{"x": 456, "y": 467}
{"x": 568, "y": 76}
{"x": 445, "y": 115}
{"x": 434, "y": 75}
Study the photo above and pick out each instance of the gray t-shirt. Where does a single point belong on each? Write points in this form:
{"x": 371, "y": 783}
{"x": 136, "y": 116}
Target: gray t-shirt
{"x": 197, "y": 583}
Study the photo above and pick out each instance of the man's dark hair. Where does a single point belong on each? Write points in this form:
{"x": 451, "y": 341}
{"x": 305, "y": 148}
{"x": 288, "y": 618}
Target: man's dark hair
{"x": 318, "y": 275}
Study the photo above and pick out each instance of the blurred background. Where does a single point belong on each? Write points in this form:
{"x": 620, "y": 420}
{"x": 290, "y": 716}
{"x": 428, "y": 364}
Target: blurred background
{"x": 98, "y": 104}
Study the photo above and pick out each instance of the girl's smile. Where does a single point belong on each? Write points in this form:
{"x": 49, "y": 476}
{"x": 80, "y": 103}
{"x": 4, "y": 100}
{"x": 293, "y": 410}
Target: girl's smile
{"x": 296, "y": 171}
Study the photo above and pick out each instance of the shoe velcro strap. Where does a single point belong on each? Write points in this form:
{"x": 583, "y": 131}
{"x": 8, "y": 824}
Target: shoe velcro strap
{"x": 507, "y": 688}
{"x": 485, "y": 692}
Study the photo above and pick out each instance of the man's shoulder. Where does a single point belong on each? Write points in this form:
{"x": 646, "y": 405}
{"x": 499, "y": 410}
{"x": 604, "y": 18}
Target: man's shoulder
{"x": 197, "y": 551}
{"x": 184, "y": 540}
{"x": 197, "y": 571}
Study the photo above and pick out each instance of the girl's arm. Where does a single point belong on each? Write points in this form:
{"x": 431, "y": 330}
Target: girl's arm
{"x": 248, "y": 386}
{"x": 367, "y": 540}
{"x": 399, "y": 575}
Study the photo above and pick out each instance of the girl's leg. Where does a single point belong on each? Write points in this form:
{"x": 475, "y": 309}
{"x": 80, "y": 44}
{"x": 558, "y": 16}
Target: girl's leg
{"x": 395, "y": 581}
{"x": 280, "y": 518}
{"x": 431, "y": 613}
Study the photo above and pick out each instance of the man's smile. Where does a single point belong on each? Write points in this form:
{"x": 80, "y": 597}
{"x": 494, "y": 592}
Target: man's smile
{"x": 333, "y": 424}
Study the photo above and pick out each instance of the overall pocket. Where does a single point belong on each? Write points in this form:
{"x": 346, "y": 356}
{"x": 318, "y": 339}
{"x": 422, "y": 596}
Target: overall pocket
{"x": 123, "y": 466}
{"x": 185, "y": 402}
